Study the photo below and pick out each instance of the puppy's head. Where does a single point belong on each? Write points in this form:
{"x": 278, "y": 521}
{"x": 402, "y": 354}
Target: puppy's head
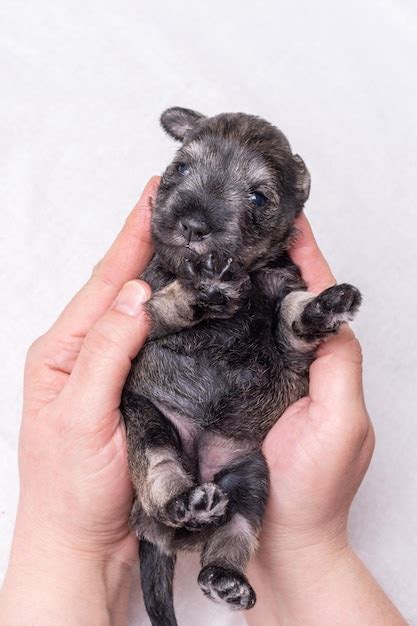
{"x": 233, "y": 189}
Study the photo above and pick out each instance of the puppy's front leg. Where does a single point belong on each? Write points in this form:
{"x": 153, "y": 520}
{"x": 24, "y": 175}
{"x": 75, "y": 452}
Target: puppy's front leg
{"x": 171, "y": 309}
{"x": 211, "y": 291}
{"x": 306, "y": 318}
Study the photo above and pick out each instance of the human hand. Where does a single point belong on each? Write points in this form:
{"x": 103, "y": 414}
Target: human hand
{"x": 320, "y": 449}
{"x": 317, "y": 453}
{"x": 75, "y": 493}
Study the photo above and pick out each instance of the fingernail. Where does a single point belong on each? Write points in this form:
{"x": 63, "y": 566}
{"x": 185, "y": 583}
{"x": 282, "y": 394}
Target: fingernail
{"x": 131, "y": 297}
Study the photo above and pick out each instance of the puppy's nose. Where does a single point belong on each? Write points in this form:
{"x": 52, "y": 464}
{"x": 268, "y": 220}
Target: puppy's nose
{"x": 194, "y": 228}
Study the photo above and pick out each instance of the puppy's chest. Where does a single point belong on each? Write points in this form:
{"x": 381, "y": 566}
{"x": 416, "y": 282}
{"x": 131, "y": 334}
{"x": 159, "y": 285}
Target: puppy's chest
{"x": 208, "y": 372}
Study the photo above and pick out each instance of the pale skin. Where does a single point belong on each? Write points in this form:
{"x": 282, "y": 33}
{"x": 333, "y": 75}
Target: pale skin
{"x": 73, "y": 554}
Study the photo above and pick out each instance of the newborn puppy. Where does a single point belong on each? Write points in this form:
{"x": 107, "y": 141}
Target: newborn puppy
{"x": 234, "y": 331}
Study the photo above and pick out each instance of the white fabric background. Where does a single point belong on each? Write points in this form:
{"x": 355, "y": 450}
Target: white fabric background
{"x": 83, "y": 84}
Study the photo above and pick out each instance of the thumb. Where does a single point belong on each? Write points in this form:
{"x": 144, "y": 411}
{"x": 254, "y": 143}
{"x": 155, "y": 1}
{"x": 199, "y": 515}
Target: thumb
{"x": 96, "y": 381}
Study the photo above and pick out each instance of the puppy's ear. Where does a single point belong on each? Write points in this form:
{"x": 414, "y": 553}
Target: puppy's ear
{"x": 302, "y": 185}
{"x": 178, "y": 121}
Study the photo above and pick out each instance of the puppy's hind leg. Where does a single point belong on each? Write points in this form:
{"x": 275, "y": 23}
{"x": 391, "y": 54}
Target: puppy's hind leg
{"x": 228, "y": 550}
{"x": 157, "y": 573}
{"x": 155, "y": 456}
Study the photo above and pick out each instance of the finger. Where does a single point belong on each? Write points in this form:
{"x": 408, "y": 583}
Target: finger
{"x": 124, "y": 261}
{"x": 336, "y": 375}
{"x": 307, "y": 255}
{"x": 94, "y": 388}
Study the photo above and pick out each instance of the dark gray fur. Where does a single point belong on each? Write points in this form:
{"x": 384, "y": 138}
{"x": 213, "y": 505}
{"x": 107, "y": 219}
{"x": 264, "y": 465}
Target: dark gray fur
{"x": 233, "y": 335}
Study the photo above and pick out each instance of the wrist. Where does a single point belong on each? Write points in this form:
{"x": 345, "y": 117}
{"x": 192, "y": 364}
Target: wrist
{"x": 319, "y": 585}
{"x": 282, "y": 546}
{"x": 290, "y": 570}
{"x": 46, "y": 581}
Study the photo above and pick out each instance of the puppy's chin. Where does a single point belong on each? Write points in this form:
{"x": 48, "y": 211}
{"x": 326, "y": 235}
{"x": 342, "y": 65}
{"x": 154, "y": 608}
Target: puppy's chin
{"x": 175, "y": 257}
{"x": 200, "y": 248}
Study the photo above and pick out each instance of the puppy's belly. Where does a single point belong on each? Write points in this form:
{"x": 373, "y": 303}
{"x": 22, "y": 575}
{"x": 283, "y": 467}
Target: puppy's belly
{"x": 185, "y": 388}
{"x": 187, "y": 428}
{"x": 212, "y": 450}
{"x": 217, "y": 451}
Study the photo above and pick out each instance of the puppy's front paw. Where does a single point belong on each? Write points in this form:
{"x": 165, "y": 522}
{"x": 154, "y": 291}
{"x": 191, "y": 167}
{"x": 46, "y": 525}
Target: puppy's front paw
{"x": 198, "y": 507}
{"x": 325, "y": 313}
{"x": 226, "y": 585}
{"x": 219, "y": 286}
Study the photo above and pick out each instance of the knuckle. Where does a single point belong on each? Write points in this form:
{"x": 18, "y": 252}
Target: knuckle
{"x": 98, "y": 342}
{"x": 105, "y": 275}
{"x": 106, "y": 341}
{"x": 96, "y": 268}
{"x": 367, "y": 431}
{"x": 369, "y": 435}
{"x": 356, "y": 350}
{"x": 360, "y": 428}
{"x": 35, "y": 349}
{"x": 367, "y": 448}
{"x": 363, "y": 428}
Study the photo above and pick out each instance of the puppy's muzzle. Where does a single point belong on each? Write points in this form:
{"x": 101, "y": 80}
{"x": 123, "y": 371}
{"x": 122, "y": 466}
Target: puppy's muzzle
{"x": 194, "y": 228}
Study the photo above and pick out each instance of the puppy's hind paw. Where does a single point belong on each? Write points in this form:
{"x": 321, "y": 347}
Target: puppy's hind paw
{"x": 228, "y": 586}
{"x": 197, "y": 508}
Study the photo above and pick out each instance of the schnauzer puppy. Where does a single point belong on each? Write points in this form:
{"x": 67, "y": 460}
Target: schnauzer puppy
{"x": 234, "y": 331}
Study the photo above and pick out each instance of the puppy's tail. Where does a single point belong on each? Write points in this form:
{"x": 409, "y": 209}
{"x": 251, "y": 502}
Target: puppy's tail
{"x": 157, "y": 574}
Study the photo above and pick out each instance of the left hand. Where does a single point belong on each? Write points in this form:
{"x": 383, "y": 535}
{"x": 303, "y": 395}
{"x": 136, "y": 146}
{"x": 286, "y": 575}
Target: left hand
{"x": 75, "y": 491}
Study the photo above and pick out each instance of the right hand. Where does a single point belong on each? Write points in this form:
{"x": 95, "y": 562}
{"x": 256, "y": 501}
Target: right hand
{"x": 320, "y": 449}
{"x": 305, "y": 573}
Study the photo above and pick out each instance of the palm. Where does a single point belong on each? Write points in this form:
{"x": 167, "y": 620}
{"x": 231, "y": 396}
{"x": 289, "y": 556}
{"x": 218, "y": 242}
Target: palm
{"x": 318, "y": 440}
{"x": 85, "y": 461}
